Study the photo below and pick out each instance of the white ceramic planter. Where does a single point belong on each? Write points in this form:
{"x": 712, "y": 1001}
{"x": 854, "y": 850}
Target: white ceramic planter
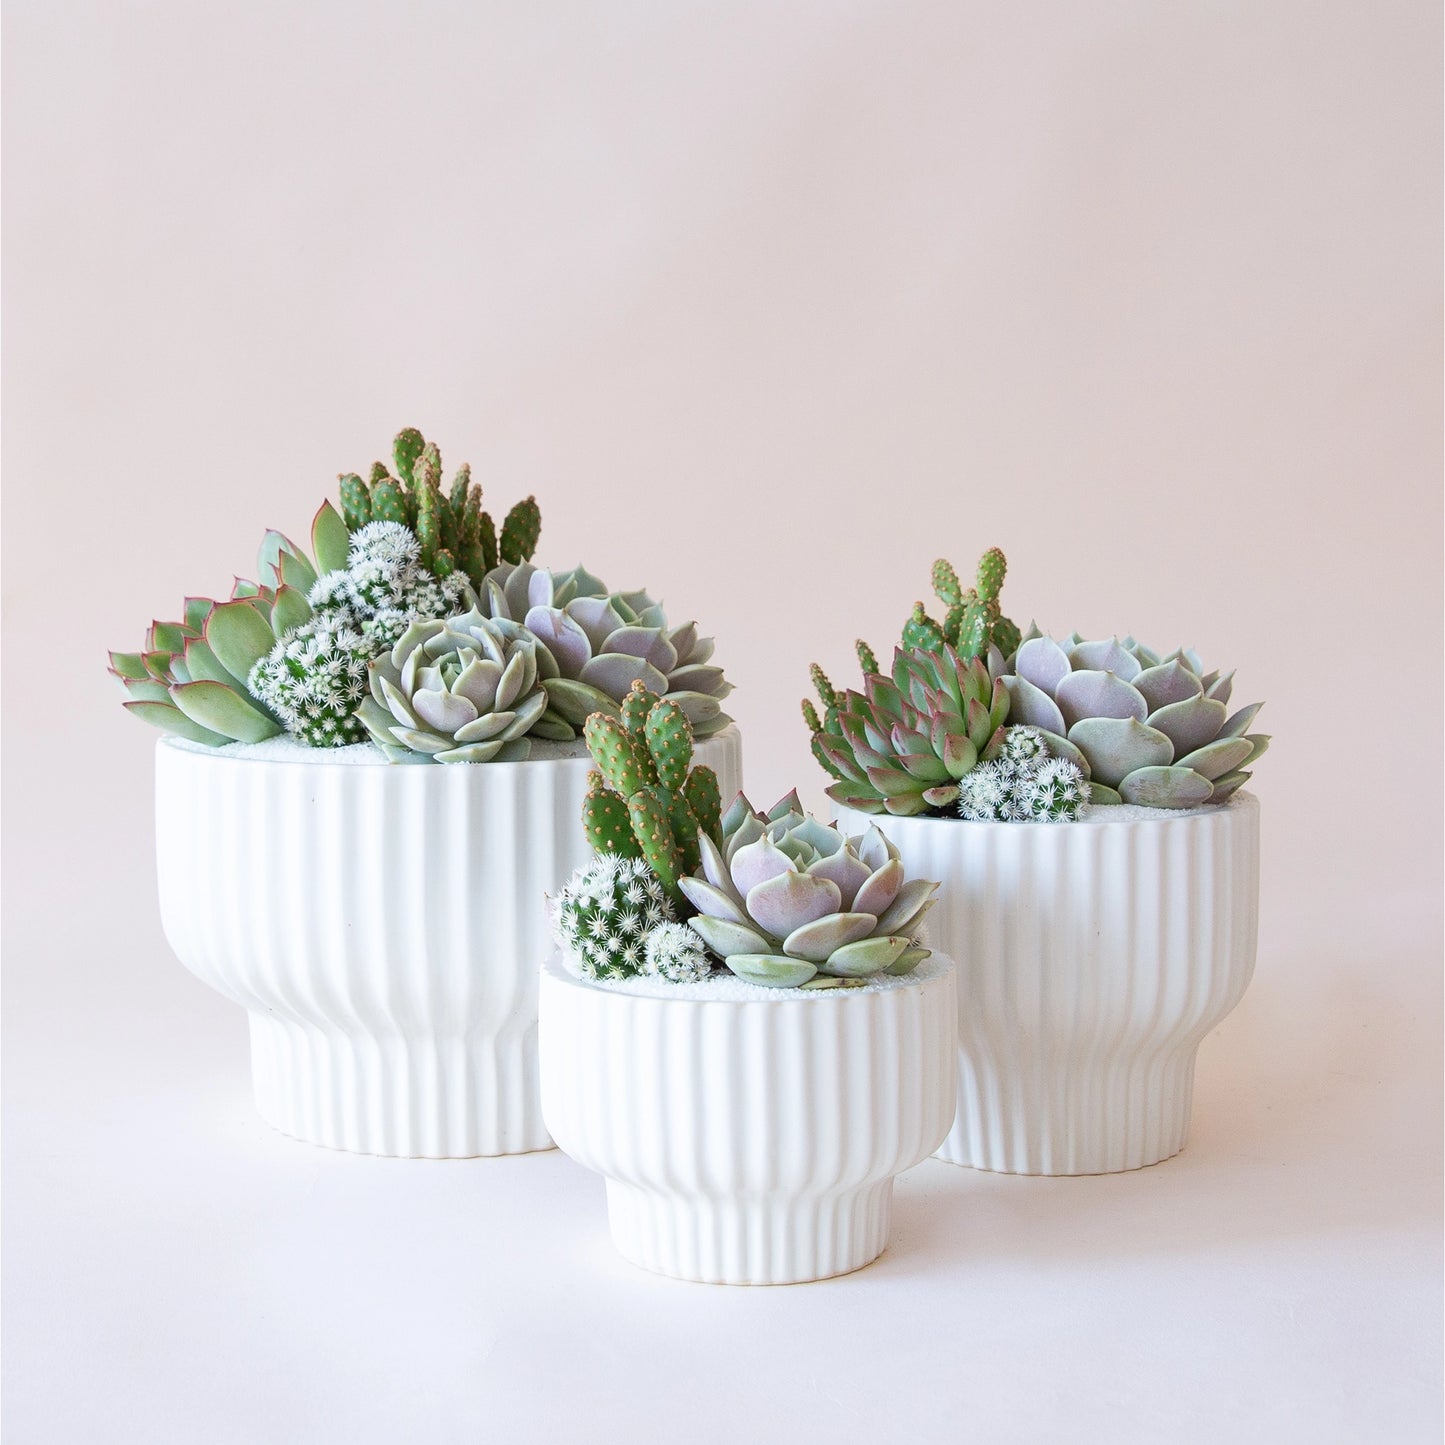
{"x": 751, "y": 1137}
{"x": 381, "y": 924}
{"x": 1093, "y": 958}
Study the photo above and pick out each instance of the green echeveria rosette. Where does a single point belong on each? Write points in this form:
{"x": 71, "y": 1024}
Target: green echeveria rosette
{"x": 597, "y": 643}
{"x": 456, "y": 690}
{"x": 1148, "y": 730}
{"x": 788, "y": 901}
{"x": 903, "y": 745}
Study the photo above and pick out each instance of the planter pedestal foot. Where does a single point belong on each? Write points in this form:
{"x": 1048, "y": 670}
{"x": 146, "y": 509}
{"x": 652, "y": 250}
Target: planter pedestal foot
{"x": 431, "y": 1097}
{"x": 1079, "y": 1119}
{"x": 739, "y": 1241}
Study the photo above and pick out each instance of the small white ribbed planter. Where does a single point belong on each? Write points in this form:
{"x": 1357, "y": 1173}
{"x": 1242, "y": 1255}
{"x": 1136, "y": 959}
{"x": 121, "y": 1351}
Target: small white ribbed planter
{"x": 750, "y": 1137}
{"x": 381, "y": 924}
{"x": 1093, "y": 958}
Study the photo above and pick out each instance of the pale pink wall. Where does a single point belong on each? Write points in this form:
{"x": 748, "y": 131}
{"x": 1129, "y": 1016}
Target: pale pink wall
{"x": 769, "y": 305}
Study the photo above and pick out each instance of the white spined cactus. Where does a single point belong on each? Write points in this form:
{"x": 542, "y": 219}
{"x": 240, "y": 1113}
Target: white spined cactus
{"x": 455, "y": 690}
{"x": 605, "y": 914}
{"x": 1022, "y": 783}
{"x": 383, "y": 581}
{"x": 314, "y": 678}
{"x": 675, "y": 953}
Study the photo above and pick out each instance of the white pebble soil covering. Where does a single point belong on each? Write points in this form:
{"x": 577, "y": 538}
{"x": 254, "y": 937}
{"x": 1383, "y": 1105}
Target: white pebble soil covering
{"x": 287, "y": 750}
{"x": 725, "y": 987}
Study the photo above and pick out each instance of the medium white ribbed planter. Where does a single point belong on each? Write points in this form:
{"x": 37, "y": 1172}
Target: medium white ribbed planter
{"x": 749, "y": 1135}
{"x": 381, "y": 925}
{"x": 1093, "y": 958}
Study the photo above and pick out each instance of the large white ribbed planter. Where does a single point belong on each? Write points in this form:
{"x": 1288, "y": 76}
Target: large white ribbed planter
{"x": 381, "y": 925}
{"x": 1093, "y": 958}
{"x": 750, "y": 1137}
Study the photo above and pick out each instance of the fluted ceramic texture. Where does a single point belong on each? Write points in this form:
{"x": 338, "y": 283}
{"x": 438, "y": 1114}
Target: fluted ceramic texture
{"x": 1093, "y": 958}
{"x": 749, "y": 1141}
{"x": 381, "y": 925}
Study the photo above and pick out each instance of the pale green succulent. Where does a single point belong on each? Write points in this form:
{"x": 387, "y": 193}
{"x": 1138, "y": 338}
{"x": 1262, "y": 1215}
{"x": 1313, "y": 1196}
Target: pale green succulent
{"x": 788, "y": 901}
{"x": 460, "y": 689}
{"x": 1148, "y": 730}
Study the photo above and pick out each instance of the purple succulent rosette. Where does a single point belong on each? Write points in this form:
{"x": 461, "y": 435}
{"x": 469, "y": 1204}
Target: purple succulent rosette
{"x": 598, "y": 643}
{"x": 789, "y": 902}
{"x": 1150, "y": 730}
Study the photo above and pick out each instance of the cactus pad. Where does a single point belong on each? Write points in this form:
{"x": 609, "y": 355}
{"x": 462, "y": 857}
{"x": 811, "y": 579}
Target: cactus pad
{"x": 520, "y": 531}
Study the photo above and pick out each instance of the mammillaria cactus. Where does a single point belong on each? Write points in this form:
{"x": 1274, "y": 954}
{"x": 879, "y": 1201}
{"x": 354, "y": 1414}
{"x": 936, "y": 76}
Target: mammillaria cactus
{"x": 314, "y": 679}
{"x": 1152, "y": 731}
{"x": 602, "y": 642}
{"x": 645, "y": 801}
{"x": 605, "y": 915}
{"x": 455, "y": 690}
{"x": 786, "y": 899}
{"x": 384, "y": 587}
{"x": 452, "y": 530}
{"x": 1023, "y": 783}
{"x": 901, "y": 746}
{"x": 675, "y": 953}
{"x": 974, "y": 620}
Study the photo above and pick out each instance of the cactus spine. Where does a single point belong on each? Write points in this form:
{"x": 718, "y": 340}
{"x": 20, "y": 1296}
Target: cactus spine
{"x": 645, "y": 801}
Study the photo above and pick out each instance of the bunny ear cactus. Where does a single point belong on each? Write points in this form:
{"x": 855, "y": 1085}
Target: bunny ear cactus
{"x": 903, "y": 744}
{"x": 453, "y": 531}
{"x": 788, "y": 902}
{"x": 645, "y": 801}
{"x": 973, "y": 621}
{"x": 600, "y": 643}
{"x": 1148, "y": 730}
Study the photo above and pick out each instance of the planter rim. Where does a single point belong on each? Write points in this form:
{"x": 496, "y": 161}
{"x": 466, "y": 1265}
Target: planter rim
{"x": 935, "y": 966}
{"x": 228, "y": 756}
{"x": 1096, "y": 817}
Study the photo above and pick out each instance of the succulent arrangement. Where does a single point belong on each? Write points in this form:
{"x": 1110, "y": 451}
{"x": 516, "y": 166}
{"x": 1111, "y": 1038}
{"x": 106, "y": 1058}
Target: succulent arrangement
{"x": 415, "y": 624}
{"x": 676, "y": 888}
{"x": 981, "y": 721}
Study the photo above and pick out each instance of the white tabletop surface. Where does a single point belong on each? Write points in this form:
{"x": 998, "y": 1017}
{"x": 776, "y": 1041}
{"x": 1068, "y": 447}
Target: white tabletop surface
{"x": 175, "y": 1271}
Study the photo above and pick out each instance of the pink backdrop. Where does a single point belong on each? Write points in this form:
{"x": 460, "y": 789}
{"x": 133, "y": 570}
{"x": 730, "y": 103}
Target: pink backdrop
{"x": 769, "y": 305}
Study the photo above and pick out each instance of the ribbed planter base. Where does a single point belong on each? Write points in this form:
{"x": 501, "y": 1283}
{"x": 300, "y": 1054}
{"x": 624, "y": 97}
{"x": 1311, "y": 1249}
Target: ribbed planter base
{"x": 719, "y": 1241}
{"x": 1084, "y": 1121}
{"x": 749, "y": 1135}
{"x": 1093, "y": 959}
{"x": 381, "y": 925}
{"x": 418, "y": 1098}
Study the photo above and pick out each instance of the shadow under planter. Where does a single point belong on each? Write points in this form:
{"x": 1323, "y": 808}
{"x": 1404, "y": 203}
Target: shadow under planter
{"x": 381, "y": 925}
{"x": 749, "y": 1135}
{"x": 1093, "y": 958}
